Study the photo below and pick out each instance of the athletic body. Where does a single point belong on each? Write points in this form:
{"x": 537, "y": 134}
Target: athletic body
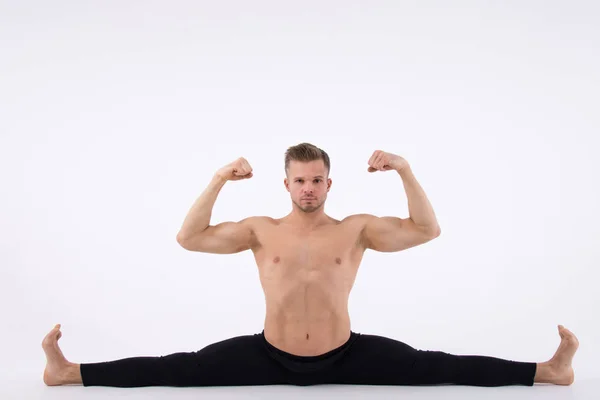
{"x": 307, "y": 275}
{"x": 307, "y": 265}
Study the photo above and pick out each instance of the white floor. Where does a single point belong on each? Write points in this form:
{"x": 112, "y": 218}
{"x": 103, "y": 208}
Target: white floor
{"x": 30, "y": 386}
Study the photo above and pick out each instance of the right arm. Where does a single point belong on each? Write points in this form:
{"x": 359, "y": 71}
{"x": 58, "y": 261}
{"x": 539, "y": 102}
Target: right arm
{"x": 196, "y": 233}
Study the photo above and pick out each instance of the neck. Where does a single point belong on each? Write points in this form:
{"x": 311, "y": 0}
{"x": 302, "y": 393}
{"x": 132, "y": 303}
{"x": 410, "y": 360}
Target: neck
{"x": 309, "y": 220}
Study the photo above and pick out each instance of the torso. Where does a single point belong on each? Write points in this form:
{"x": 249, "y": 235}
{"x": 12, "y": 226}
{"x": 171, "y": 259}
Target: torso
{"x": 307, "y": 277}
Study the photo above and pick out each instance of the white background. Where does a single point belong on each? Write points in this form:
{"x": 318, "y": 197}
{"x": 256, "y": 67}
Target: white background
{"x": 115, "y": 115}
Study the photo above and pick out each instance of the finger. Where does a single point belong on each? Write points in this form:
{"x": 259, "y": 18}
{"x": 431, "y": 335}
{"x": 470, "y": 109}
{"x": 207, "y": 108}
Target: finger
{"x": 371, "y": 169}
{"x": 373, "y": 157}
{"x": 385, "y": 162}
{"x": 244, "y": 170}
{"x": 379, "y": 161}
{"x": 241, "y": 169}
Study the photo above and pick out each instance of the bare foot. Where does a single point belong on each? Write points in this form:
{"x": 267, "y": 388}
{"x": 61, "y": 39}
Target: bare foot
{"x": 561, "y": 361}
{"x": 56, "y": 363}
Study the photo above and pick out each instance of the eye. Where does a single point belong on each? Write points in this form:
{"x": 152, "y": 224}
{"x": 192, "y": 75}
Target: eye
{"x": 317, "y": 180}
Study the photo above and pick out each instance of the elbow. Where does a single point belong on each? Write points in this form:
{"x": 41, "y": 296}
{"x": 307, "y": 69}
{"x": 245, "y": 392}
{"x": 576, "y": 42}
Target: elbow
{"x": 434, "y": 232}
{"x": 181, "y": 240}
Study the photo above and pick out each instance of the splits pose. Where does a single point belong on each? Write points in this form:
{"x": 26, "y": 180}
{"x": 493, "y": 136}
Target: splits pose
{"x": 307, "y": 264}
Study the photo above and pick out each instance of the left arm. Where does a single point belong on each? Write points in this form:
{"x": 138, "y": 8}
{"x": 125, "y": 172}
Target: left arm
{"x": 389, "y": 234}
{"x": 419, "y": 207}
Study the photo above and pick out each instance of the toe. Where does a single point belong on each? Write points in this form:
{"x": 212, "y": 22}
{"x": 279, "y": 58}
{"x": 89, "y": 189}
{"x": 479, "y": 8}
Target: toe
{"x": 564, "y": 332}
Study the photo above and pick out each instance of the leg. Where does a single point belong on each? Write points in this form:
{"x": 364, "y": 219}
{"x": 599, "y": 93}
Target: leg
{"x": 232, "y": 362}
{"x": 391, "y": 362}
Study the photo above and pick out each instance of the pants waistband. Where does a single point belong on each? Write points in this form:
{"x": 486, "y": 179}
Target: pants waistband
{"x": 308, "y": 363}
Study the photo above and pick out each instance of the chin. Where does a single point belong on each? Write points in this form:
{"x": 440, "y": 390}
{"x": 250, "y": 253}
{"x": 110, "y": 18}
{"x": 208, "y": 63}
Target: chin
{"x": 307, "y": 208}
{"x": 310, "y": 209}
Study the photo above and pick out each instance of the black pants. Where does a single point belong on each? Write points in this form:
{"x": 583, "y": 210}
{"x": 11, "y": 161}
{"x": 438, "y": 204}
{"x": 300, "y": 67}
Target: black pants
{"x": 363, "y": 359}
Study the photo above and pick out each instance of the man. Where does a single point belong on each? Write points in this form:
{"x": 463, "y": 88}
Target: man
{"x": 307, "y": 264}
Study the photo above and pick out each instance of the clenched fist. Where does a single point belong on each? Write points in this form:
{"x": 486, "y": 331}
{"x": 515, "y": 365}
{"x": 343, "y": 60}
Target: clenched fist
{"x": 239, "y": 169}
{"x": 382, "y": 161}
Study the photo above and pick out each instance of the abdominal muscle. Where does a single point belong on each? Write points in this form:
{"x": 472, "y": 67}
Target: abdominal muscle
{"x": 306, "y": 317}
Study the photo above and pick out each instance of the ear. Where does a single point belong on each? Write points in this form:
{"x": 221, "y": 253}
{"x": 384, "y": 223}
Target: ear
{"x": 329, "y": 182}
{"x": 285, "y": 183}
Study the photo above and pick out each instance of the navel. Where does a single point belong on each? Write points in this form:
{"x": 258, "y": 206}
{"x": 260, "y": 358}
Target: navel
{"x": 276, "y": 259}
{"x": 338, "y": 260}
{"x": 307, "y": 336}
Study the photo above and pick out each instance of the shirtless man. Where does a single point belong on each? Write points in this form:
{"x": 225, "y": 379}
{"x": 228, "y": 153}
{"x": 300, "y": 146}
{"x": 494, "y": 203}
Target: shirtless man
{"x": 307, "y": 264}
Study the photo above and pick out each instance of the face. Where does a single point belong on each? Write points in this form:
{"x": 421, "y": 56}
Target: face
{"x": 308, "y": 184}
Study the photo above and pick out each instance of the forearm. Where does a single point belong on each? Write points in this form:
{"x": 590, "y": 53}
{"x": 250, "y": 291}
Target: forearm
{"x": 419, "y": 207}
{"x": 198, "y": 218}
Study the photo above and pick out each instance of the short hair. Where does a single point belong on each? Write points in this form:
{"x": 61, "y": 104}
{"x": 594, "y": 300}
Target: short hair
{"x": 306, "y": 152}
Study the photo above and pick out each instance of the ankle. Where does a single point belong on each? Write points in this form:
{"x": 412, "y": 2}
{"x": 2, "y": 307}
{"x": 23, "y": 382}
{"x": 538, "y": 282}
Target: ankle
{"x": 72, "y": 374}
{"x": 545, "y": 372}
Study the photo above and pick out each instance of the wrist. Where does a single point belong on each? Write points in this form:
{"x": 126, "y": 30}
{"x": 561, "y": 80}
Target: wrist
{"x": 219, "y": 179}
{"x": 404, "y": 170}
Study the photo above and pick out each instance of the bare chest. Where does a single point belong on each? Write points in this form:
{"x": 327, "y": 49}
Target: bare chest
{"x": 321, "y": 255}
{"x": 307, "y": 278}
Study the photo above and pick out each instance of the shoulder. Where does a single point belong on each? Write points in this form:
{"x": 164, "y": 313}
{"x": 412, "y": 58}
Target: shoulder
{"x": 358, "y": 223}
{"x": 258, "y": 221}
{"x": 358, "y": 218}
